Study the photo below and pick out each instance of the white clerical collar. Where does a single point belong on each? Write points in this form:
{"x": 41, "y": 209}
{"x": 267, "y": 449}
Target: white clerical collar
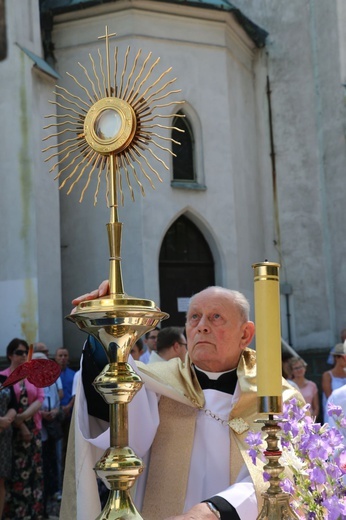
{"x": 214, "y": 375}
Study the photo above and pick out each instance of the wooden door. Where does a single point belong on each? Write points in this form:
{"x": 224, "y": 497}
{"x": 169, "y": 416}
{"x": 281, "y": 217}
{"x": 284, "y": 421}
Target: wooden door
{"x": 186, "y": 266}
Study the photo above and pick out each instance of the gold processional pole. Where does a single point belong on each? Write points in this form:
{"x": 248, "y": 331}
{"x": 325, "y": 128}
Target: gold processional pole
{"x": 113, "y": 128}
{"x": 276, "y": 503}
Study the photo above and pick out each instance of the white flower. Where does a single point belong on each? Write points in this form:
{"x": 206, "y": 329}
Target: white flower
{"x": 290, "y": 459}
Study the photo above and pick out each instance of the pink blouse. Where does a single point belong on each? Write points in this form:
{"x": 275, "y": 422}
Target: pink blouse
{"x": 34, "y": 394}
{"x": 308, "y": 391}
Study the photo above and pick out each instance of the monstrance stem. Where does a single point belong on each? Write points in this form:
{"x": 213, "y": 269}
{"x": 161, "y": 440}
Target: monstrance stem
{"x": 114, "y": 229}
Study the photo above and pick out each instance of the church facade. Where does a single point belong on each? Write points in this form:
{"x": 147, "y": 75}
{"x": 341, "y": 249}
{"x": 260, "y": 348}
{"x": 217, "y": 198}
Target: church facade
{"x": 261, "y": 175}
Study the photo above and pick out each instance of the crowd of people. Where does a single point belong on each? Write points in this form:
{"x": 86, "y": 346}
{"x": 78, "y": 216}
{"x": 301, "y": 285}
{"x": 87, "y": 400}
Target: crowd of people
{"x": 33, "y": 428}
{"x": 211, "y": 367}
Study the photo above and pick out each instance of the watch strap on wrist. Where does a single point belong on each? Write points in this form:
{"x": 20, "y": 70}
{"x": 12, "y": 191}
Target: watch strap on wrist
{"x": 213, "y": 509}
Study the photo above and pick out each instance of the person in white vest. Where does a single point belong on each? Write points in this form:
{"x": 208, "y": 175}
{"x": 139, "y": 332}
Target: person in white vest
{"x": 192, "y": 417}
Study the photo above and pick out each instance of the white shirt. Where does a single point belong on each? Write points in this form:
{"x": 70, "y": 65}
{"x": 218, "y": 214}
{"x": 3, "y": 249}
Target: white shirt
{"x": 155, "y": 358}
{"x": 144, "y": 358}
{"x": 75, "y": 383}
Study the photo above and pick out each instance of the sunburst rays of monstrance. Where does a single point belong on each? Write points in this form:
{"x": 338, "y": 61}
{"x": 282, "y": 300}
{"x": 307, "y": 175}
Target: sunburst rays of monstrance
{"x": 115, "y": 128}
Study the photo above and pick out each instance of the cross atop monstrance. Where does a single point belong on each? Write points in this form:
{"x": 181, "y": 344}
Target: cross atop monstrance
{"x": 106, "y": 37}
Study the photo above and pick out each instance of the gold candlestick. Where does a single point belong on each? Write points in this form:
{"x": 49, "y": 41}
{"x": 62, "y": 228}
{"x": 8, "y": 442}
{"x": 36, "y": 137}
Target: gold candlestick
{"x": 113, "y": 128}
{"x": 276, "y": 505}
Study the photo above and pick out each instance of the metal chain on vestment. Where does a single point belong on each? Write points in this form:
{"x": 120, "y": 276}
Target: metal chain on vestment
{"x": 237, "y": 424}
{"x": 209, "y": 413}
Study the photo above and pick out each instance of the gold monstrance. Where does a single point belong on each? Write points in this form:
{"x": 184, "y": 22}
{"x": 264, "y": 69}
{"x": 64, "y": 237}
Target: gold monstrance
{"x": 113, "y": 128}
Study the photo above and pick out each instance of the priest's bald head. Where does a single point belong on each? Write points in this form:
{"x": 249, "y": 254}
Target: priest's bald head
{"x": 218, "y": 328}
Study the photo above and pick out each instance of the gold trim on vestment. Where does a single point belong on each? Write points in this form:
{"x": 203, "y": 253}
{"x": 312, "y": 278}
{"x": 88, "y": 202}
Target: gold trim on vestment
{"x": 168, "y": 472}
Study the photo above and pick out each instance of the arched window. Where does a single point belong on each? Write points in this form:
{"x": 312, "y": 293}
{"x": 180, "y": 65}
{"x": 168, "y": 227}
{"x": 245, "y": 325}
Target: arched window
{"x": 184, "y": 162}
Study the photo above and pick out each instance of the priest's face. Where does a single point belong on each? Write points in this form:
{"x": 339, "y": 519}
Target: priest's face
{"x": 216, "y": 330}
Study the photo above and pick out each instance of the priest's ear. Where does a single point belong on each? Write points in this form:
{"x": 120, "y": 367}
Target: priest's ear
{"x": 248, "y": 332}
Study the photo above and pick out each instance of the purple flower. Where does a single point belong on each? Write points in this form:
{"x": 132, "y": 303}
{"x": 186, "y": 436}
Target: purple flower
{"x": 335, "y": 508}
{"x": 333, "y": 470}
{"x": 316, "y": 457}
{"x": 334, "y": 438}
{"x": 334, "y": 409}
{"x": 254, "y": 438}
{"x": 266, "y": 476}
{"x": 341, "y": 461}
{"x": 253, "y": 454}
{"x": 287, "y": 486}
{"x": 318, "y": 449}
{"x": 317, "y": 475}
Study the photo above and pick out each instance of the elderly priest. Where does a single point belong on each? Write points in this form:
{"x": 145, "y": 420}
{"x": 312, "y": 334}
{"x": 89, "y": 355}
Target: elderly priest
{"x": 188, "y": 422}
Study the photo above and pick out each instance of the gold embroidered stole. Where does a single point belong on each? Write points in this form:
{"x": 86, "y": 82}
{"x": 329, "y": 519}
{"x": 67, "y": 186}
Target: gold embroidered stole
{"x": 170, "y": 461}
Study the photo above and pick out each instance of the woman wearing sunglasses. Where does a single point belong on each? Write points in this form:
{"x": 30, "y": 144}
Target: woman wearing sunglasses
{"x": 24, "y": 493}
